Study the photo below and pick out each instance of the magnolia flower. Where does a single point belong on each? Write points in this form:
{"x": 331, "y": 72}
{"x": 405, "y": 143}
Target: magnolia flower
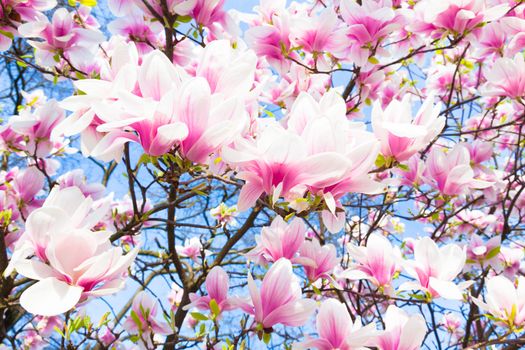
{"x": 25, "y": 186}
{"x": 143, "y": 320}
{"x": 33, "y": 341}
{"x": 337, "y": 331}
{"x": 224, "y": 215}
{"x": 319, "y": 150}
{"x": 402, "y": 332}
{"x": 192, "y": 249}
{"x": 480, "y": 151}
{"x": 504, "y": 300}
{"x": 435, "y": 269}
{"x": 158, "y": 105}
{"x": 459, "y": 17}
{"x": 368, "y": 23}
{"x": 107, "y": 337}
{"x": 507, "y": 77}
{"x": 478, "y": 250}
{"x": 270, "y": 164}
{"x": 46, "y": 325}
{"x": 377, "y": 262}
{"x": 344, "y": 149}
{"x": 318, "y": 261}
{"x": 138, "y": 29}
{"x": 451, "y": 173}
{"x": 175, "y": 296}
{"x": 217, "y": 285}
{"x": 269, "y": 40}
{"x": 229, "y": 71}
{"x": 206, "y": 12}
{"x": 317, "y": 34}
{"x": 401, "y": 135}
{"x": 123, "y": 211}
{"x": 509, "y": 260}
{"x": 63, "y": 211}
{"x": 470, "y": 221}
{"x": 125, "y": 7}
{"x": 63, "y": 35}
{"x": 279, "y": 240}
{"x": 76, "y": 178}
{"x": 452, "y": 324}
{"x": 278, "y": 301}
{"x": 18, "y": 11}
{"x": 67, "y": 279}
{"x": 37, "y": 127}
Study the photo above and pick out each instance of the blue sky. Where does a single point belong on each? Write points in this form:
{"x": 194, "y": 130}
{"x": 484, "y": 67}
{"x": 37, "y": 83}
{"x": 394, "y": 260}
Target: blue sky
{"x": 241, "y": 5}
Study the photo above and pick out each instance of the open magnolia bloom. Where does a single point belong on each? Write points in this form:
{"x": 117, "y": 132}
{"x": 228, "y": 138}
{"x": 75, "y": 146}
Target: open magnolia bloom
{"x": 435, "y": 268}
{"x": 504, "y": 301}
{"x": 66, "y": 277}
{"x": 279, "y": 240}
{"x": 217, "y": 284}
{"x": 318, "y": 261}
{"x": 402, "y": 332}
{"x": 337, "y": 331}
{"x": 451, "y": 173}
{"x": 144, "y": 319}
{"x": 279, "y": 300}
{"x": 63, "y": 211}
{"x": 377, "y": 262}
{"x": 159, "y": 105}
{"x": 507, "y": 77}
{"x": 317, "y": 150}
{"x": 401, "y": 135}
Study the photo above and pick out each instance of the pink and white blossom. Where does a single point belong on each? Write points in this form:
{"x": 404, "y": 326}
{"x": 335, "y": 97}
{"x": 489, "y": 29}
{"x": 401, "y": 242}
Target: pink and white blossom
{"x": 337, "y": 330}
{"x": 278, "y": 300}
{"x": 435, "y": 269}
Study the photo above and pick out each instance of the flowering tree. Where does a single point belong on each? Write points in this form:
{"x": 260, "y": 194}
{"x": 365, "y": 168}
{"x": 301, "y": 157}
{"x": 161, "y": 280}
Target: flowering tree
{"x": 323, "y": 174}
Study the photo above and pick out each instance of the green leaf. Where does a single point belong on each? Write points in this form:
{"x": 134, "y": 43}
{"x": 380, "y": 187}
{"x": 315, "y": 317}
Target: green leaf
{"x": 380, "y": 161}
{"x": 136, "y": 319}
{"x": 144, "y": 312}
{"x": 202, "y": 330}
{"x": 184, "y": 19}
{"x": 86, "y": 322}
{"x": 134, "y": 338}
{"x": 493, "y": 252}
{"x": 316, "y": 290}
{"x": 373, "y": 60}
{"x": 266, "y": 338}
{"x": 104, "y": 319}
{"x": 215, "y": 307}
{"x": 289, "y": 216}
{"x": 403, "y": 167}
{"x": 198, "y": 316}
{"x": 59, "y": 331}
{"x": 89, "y": 3}
{"x": 7, "y": 34}
{"x": 144, "y": 159}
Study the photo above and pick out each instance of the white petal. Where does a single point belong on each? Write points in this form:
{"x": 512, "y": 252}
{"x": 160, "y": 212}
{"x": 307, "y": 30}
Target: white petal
{"x": 50, "y": 297}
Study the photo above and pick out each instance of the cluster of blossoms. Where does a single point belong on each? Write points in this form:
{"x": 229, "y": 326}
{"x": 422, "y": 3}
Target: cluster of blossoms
{"x": 336, "y": 174}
